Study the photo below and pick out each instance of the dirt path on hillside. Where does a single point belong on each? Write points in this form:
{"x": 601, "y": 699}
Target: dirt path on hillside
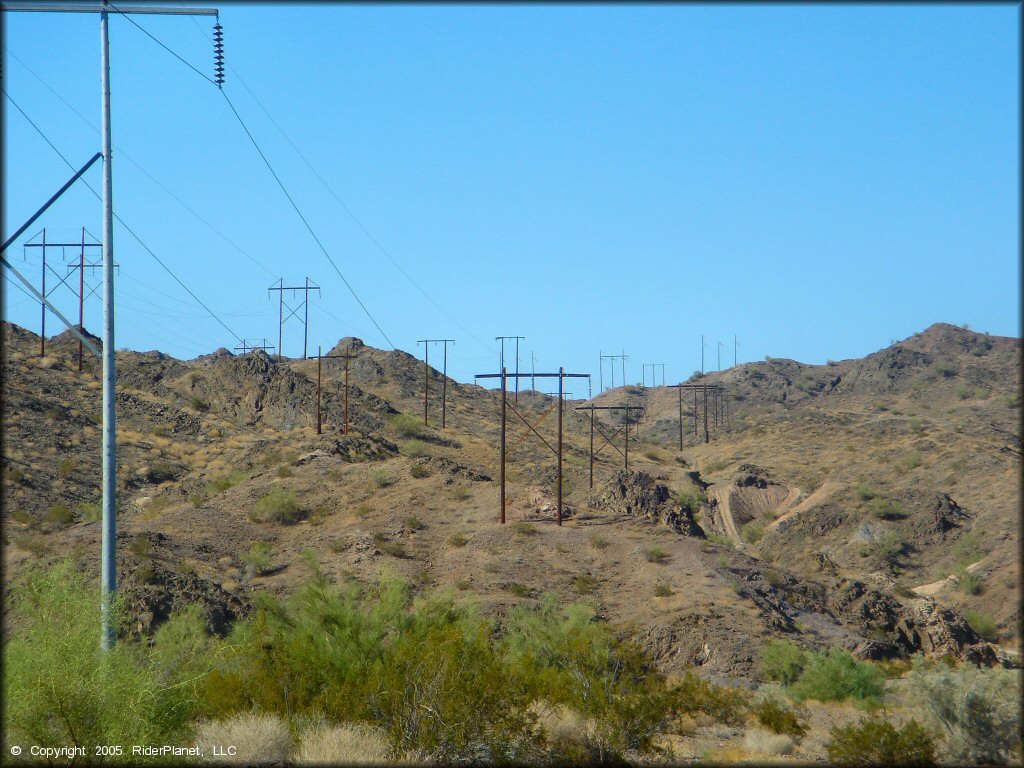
{"x": 819, "y": 496}
{"x": 722, "y": 499}
{"x": 930, "y": 590}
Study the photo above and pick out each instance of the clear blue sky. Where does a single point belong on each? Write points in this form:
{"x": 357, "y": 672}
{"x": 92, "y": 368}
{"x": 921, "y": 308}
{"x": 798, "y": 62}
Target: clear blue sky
{"x": 817, "y": 180}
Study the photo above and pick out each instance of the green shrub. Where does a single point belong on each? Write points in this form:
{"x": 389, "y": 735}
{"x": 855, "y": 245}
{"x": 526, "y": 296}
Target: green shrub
{"x": 197, "y": 500}
{"x": 199, "y": 405}
{"x": 911, "y": 461}
{"x": 571, "y": 660}
{"x": 584, "y": 584}
{"x": 964, "y": 392}
{"x": 430, "y": 673}
{"x": 284, "y": 471}
{"x": 976, "y": 709}
{"x": 59, "y": 516}
{"x": 419, "y": 471}
{"x": 460, "y": 493}
{"x": 90, "y": 512}
{"x": 773, "y": 577}
{"x": 695, "y": 694}
{"x": 406, "y": 425}
{"x": 778, "y": 718}
{"x": 661, "y": 589}
{"x": 877, "y": 742}
{"x": 835, "y": 676}
{"x": 257, "y": 559}
{"x": 967, "y": 549}
{"x": 944, "y": 368}
{"x": 523, "y": 528}
{"x": 37, "y": 545}
{"x": 141, "y": 547}
{"x": 277, "y": 506}
{"x": 984, "y": 625}
{"x": 60, "y": 688}
{"x": 597, "y": 542}
{"x": 886, "y": 509}
{"x": 970, "y": 583}
{"x": 717, "y": 538}
{"x": 221, "y": 484}
{"x": 864, "y": 491}
{"x": 363, "y": 511}
{"x": 752, "y": 532}
{"x": 889, "y": 548}
{"x": 519, "y": 590}
{"x": 414, "y": 524}
{"x": 783, "y": 661}
{"x": 415, "y": 449}
{"x": 381, "y": 479}
{"x": 66, "y": 467}
{"x": 390, "y": 546}
{"x": 655, "y": 554}
{"x": 689, "y": 500}
{"x": 653, "y": 455}
{"x": 457, "y": 540}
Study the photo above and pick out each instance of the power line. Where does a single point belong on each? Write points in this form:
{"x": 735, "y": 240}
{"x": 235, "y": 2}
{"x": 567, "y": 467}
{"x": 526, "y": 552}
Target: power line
{"x": 151, "y": 37}
{"x": 145, "y": 172}
{"x": 121, "y": 221}
{"x": 347, "y": 210}
{"x": 303, "y": 218}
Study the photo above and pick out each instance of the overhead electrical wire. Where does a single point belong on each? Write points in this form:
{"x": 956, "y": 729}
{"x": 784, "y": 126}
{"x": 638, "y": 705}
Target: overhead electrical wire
{"x": 121, "y": 221}
{"x": 304, "y": 221}
{"x": 348, "y": 210}
{"x": 277, "y": 178}
{"x": 145, "y": 172}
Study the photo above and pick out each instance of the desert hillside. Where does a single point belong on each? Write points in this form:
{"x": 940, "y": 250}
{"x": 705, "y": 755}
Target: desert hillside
{"x": 869, "y": 504}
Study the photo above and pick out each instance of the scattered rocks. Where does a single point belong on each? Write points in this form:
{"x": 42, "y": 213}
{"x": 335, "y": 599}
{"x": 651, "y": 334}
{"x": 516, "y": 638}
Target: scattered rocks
{"x": 637, "y": 494}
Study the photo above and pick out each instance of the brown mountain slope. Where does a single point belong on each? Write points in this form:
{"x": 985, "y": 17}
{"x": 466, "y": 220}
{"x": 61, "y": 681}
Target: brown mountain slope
{"x": 203, "y": 443}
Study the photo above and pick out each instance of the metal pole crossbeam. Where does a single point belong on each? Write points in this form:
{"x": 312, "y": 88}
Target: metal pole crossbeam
{"x": 281, "y": 319}
{"x": 504, "y": 376}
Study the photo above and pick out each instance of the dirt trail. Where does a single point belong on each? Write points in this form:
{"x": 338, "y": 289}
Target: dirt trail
{"x": 929, "y": 590}
{"x": 822, "y": 494}
{"x": 722, "y": 497}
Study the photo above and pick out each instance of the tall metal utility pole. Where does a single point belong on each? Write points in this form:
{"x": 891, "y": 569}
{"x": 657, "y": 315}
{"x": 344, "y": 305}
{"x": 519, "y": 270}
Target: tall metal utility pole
{"x": 662, "y": 366}
{"x": 108, "y": 573}
{"x": 426, "y": 377}
{"x": 281, "y": 319}
{"x": 719, "y": 356}
{"x": 735, "y": 350}
{"x": 533, "y": 371}
{"x": 702, "y": 347}
{"x": 517, "y": 338}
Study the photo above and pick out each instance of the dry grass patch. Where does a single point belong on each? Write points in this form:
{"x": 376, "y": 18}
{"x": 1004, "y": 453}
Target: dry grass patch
{"x": 258, "y": 739}
{"x": 343, "y": 745}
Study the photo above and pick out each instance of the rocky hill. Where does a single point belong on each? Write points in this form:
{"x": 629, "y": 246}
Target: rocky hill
{"x": 872, "y": 503}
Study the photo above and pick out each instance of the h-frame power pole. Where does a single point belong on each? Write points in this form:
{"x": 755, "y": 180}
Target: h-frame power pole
{"x": 81, "y": 266}
{"x": 108, "y": 568}
{"x": 608, "y": 440}
{"x": 426, "y": 377}
{"x": 281, "y": 319}
{"x": 505, "y": 406}
{"x": 320, "y": 356}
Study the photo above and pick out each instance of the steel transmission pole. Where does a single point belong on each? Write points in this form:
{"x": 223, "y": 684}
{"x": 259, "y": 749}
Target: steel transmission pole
{"x": 108, "y": 573}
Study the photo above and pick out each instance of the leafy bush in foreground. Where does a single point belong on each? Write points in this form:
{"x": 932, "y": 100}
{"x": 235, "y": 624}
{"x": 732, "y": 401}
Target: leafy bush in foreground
{"x": 835, "y": 676}
{"x": 877, "y": 742}
{"x": 60, "y": 688}
{"x": 783, "y": 661}
{"x": 977, "y": 710}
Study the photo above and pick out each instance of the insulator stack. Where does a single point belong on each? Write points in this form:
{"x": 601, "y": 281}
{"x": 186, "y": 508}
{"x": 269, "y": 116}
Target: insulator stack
{"x": 218, "y": 54}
